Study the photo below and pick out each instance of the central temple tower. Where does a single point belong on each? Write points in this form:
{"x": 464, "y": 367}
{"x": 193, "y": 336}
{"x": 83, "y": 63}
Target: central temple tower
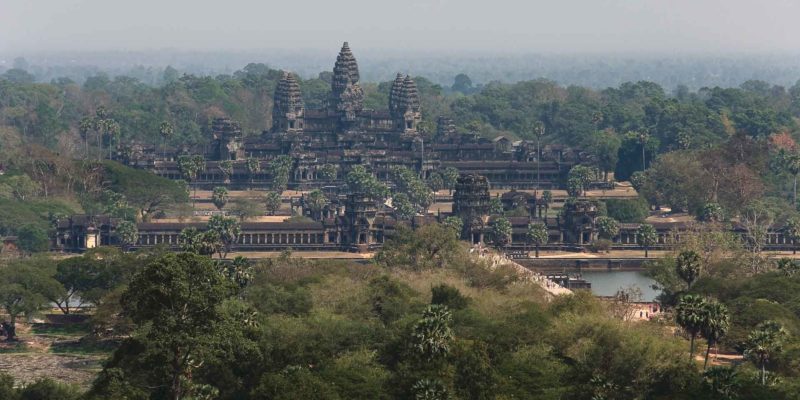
{"x": 347, "y": 97}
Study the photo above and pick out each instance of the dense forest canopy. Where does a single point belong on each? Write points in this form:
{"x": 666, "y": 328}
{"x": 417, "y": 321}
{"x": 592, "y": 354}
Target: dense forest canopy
{"x": 726, "y": 146}
{"x": 596, "y": 70}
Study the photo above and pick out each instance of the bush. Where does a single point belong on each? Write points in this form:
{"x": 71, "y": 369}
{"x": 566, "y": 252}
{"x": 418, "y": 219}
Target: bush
{"x": 600, "y": 245}
{"x": 32, "y": 238}
{"x": 631, "y": 211}
{"x": 449, "y": 296}
{"x": 48, "y": 389}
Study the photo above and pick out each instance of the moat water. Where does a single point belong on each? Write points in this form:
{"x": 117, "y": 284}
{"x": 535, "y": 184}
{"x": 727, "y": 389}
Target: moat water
{"x": 607, "y": 283}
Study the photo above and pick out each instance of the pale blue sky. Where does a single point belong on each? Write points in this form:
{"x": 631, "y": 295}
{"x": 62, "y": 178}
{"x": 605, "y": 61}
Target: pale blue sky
{"x": 662, "y": 26}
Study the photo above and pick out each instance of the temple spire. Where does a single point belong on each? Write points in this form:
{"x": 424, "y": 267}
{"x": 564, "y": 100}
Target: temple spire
{"x": 287, "y": 108}
{"x": 347, "y": 97}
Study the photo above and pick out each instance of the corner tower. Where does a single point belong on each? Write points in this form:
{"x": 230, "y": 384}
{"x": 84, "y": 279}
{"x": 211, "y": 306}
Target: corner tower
{"x": 404, "y": 104}
{"x": 347, "y": 97}
{"x": 287, "y": 109}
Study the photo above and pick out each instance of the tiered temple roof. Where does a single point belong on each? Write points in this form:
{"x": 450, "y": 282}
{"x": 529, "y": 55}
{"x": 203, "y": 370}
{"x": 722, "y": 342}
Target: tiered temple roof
{"x": 288, "y": 104}
{"x": 346, "y": 94}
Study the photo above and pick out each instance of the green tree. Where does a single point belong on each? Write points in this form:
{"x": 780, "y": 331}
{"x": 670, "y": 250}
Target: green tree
{"x": 722, "y": 382}
{"x": 280, "y": 168}
{"x": 327, "y": 172}
{"x": 189, "y": 170}
{"x": 647, "y": 236}
{"x": 455, "y": 224}
{"x": 547, "y": 199}
{"x": 689, "y": 315}
{"x": 715, "y": 325}
{"x": 228, "y": 229}
{"x": 245, "y": 209}
{"x": 475, "y": 375}
{"x": 226, "y": 167}
{"x": 788, "y": 266}
{"x": 219, "y": 197}
{"x": 607, "y": 227}
{"x": 537, "y": 234}
{"x": 763, "y": 343}
{"x": 688, "y": 266}
{"x": 146, "y": 192}
{"x": 24, "y": 288}
{"x": 500, "y": 231}
{"x": 32, "y": 238}
{"x": 579, "y": 178}
{"x": 175, "y": 301}
{"x": 462, "y": 83}
{"x": 791, "y": 229}
{"x": 450, "y": 178}
{"x": 315, "y": 201}
{"x": 358, "y": 180}
{"x": 23, "y": 187}
{"x": 167, "y": 130}
{"x": 432, "y": 335}
{"x": 89, "y": 278}
{"x": 436, "y": 182}
{"x": 495, "y": 206}
{"x": 272, "y": 202}
{"x": 712, "y": 212}
{"x": 127, "y": 233}
{"x": 188, "y": 239}
{"x": 402, "y": 206}
{"x": 790, "y": 162}
{"x": 605, "y": 147}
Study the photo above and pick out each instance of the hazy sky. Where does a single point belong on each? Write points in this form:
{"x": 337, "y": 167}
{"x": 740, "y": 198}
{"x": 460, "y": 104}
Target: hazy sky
{"x": 662, "y": 26}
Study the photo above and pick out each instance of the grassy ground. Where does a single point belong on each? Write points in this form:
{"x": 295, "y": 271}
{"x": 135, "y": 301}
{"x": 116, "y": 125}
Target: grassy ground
{"x": 54, "y": 351}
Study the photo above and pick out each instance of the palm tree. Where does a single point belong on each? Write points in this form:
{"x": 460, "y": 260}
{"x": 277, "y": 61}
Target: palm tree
{"x": 689, "y": 315}
{"x": 643, "y": 136}
{"x": 112, "y": 132}
{"x": 219, "y": 197}
{"x": 272, "y": 202}
{"x": 432, "y": 336}
{"x": 86, "y": 125}
{"x": 762, "y": 343}
{"x": 538, "y": 130}
{"x": 647, "y": 236}
{"x": 166, "y": 130}
{"x": 189, "y": 167}
{"x": 253, "y": 167}
{"x": 228, "y": 229}
{"x": 537, "y": 234}
{"x": 226, "y": 167}
{"x": 792, "y": 232}
{"x": 688, "y": 266}
{"x": 501, "y": 231}
{"x": 722, "y": 382}
{"x": 715, "y": 324}
{"x": 547, "y": 198}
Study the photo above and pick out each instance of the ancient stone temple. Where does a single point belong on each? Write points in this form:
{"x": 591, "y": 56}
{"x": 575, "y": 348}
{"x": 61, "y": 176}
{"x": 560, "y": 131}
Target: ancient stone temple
{"x": 343, "y": 133}
{"x": 471, "y": 204}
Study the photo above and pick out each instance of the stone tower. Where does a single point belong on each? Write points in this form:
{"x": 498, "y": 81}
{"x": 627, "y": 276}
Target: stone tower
{"x": 360, "y": 212}
{"x": 227, "y": 135}
{"x": 404, "y": 104}
{"x": 445, "y": 126}
{"x": 287, "y": 108}
{"x": 395, "y": 94}
{"x": 471, "y": 204}
{"x": 347, "y": 97}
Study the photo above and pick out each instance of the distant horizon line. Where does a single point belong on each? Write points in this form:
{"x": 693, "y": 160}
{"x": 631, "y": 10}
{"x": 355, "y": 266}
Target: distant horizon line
{"x": 428, "y": 52}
